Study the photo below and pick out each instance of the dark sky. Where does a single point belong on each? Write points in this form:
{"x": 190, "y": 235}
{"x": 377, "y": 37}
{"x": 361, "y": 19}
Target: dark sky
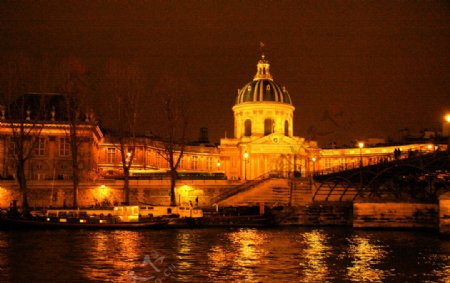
{"x": 354, "y": 69}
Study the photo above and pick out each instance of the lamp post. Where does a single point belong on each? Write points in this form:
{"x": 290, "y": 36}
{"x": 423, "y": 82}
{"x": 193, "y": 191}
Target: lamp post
{"x": 446, "y": 130}
{"x": 218, "y": 165}
{"x": 360, "y": 145}
{"x": 245, "y": 165}
{"x": 314, "y": 165}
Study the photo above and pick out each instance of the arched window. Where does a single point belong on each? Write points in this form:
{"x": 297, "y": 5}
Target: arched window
{"x": 286, "y": 128}
{"x": 268, "y": 126}
{"x": 248, "y": 128}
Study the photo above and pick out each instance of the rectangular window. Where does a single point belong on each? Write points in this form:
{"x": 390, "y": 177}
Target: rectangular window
{"x": 41, "y": 147}
{"x": 181, "y": 163}
{"x": 209, "y": 164}
{"x": 111, "y": 155}
{"x": 64, "y": 147}
{"x": 194, "y": 162}
{"x": 157, "y": 160}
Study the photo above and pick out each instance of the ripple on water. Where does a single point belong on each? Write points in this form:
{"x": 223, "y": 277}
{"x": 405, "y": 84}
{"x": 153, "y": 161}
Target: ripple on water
{"x": 223, "y": 255}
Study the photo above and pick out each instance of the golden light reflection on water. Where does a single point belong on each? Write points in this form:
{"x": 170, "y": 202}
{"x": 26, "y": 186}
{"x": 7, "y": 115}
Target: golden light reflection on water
{"x": 117, "y": 251}
{"x": 248, "y": 252}
{"x": 365, "y": 254}
{"x": 185, "y": 242}
{"x": 314, "y": 264}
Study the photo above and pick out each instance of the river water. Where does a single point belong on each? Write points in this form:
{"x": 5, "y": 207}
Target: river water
{"x": 224, "y": 255}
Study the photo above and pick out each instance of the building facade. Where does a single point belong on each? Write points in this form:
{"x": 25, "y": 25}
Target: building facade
{"x": 263, "y": 145}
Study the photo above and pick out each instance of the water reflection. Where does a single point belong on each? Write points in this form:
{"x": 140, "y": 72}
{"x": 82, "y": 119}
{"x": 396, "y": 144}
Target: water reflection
{"x": 366, "y": 254}
{"x": 186, "y": 255}
{"x": 112, "y": 255}
{"x": 441, "y": 260}
{"x": 314, "y": 267}
{"x": 242, "y": 251}
{"x": 224, "y": 255}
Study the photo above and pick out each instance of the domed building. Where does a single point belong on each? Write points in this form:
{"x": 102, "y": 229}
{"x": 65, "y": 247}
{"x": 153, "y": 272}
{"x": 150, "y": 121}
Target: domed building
{"x": 263, "y": 140}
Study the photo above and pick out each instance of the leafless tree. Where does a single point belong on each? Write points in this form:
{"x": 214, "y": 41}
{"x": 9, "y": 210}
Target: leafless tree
{"x": 173, "y": 92}
{"x": 23, "y": 120}
{"x": 126, "y": 85}
{"x": 73, "y": 84}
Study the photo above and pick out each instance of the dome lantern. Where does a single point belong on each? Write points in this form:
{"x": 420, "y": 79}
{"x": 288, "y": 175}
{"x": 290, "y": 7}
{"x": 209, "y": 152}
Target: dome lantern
{"x": 263, "y": 88}
{"x": 263, "y": 69}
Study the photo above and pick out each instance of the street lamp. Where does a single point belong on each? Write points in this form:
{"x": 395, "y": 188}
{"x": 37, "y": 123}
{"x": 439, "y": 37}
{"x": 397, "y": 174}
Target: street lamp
{"x": 446, "y": 130}
{"x": 447, "y": 118}
{"x": 218, "y": 165}
{"x": 314, "y": 164}
{"x": 245, "y": 165}
{"x": 360, "y": 145}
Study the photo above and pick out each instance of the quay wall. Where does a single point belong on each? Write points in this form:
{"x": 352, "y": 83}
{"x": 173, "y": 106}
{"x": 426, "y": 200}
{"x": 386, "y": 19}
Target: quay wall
{"x": 317, "y": 214}
{"x": 157, "y": 192}
{"x": 395, "y": 215}
{"x": 444, "y": 214}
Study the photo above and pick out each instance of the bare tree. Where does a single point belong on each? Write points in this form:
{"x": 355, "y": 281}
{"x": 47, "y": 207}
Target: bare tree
{"x": 126, "y": 85}
{"x": 173, "y": 92}
{"x": 73, "y": 85}
{"x": 22, "y": 115}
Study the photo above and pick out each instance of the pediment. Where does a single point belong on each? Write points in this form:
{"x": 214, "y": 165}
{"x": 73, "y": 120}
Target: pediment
{"x": 278, "y": 139}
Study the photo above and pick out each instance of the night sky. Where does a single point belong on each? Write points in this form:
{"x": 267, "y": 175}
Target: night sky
{"x": 354, "y": 69}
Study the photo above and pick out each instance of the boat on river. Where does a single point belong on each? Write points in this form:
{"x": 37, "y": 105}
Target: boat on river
{"x": 118, "y": 217}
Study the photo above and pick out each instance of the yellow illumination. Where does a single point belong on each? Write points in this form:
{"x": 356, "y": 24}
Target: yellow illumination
{"x": 82, "y": 220}
{"x": 102, "y": 192}
{"x": 315, "y": 255}
{"x": 447, "y": 118}
{"x": 360, "y": 144}
{"x": 366, "y": 256}
{"x": 430, "y": 146}
{"x": 64, "y": 220}
{"x": 48, "y": 219}
{"x": 245, "y": 155}
{"x": 313, "y": 159}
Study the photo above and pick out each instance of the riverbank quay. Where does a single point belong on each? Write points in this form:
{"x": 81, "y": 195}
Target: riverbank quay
{"x": 360, "y": 214}
{"x": 395, "y": 215}
{"x": 364, "y": 214}
{"x": 444, "y": 215}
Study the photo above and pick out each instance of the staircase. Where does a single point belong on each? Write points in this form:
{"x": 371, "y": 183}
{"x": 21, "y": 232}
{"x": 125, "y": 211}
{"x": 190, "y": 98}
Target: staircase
{"x": 238, "y": 189}
{"x": 271, "y": 188}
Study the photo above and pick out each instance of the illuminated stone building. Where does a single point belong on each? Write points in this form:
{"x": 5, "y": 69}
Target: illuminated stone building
{"x": 263, "y": 131}
{"x": 263, "y": 146}
{"x": 50, "y": 157}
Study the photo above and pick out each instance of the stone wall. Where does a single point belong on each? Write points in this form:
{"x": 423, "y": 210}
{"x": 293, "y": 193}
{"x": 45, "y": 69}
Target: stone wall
{"x": 317, "y": 214}
{"x": 104, "y": 192}
{"x": 444, "y": 214}
{"x": 395, "y": 215}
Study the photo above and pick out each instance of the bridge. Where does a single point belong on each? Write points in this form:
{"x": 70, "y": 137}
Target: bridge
{"x": 419, "y": 177}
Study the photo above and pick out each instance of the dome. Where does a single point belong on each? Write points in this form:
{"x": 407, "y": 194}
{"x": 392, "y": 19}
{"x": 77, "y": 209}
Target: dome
{"x": 263, "y": 88}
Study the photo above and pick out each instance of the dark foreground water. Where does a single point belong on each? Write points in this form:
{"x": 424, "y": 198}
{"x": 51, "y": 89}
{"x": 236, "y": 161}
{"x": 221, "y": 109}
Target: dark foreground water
{"x": 224, "y": 255}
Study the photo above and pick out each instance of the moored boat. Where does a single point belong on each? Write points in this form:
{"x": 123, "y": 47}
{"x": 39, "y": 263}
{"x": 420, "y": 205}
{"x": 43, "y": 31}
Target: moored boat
{"x": 119, "y": 217}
